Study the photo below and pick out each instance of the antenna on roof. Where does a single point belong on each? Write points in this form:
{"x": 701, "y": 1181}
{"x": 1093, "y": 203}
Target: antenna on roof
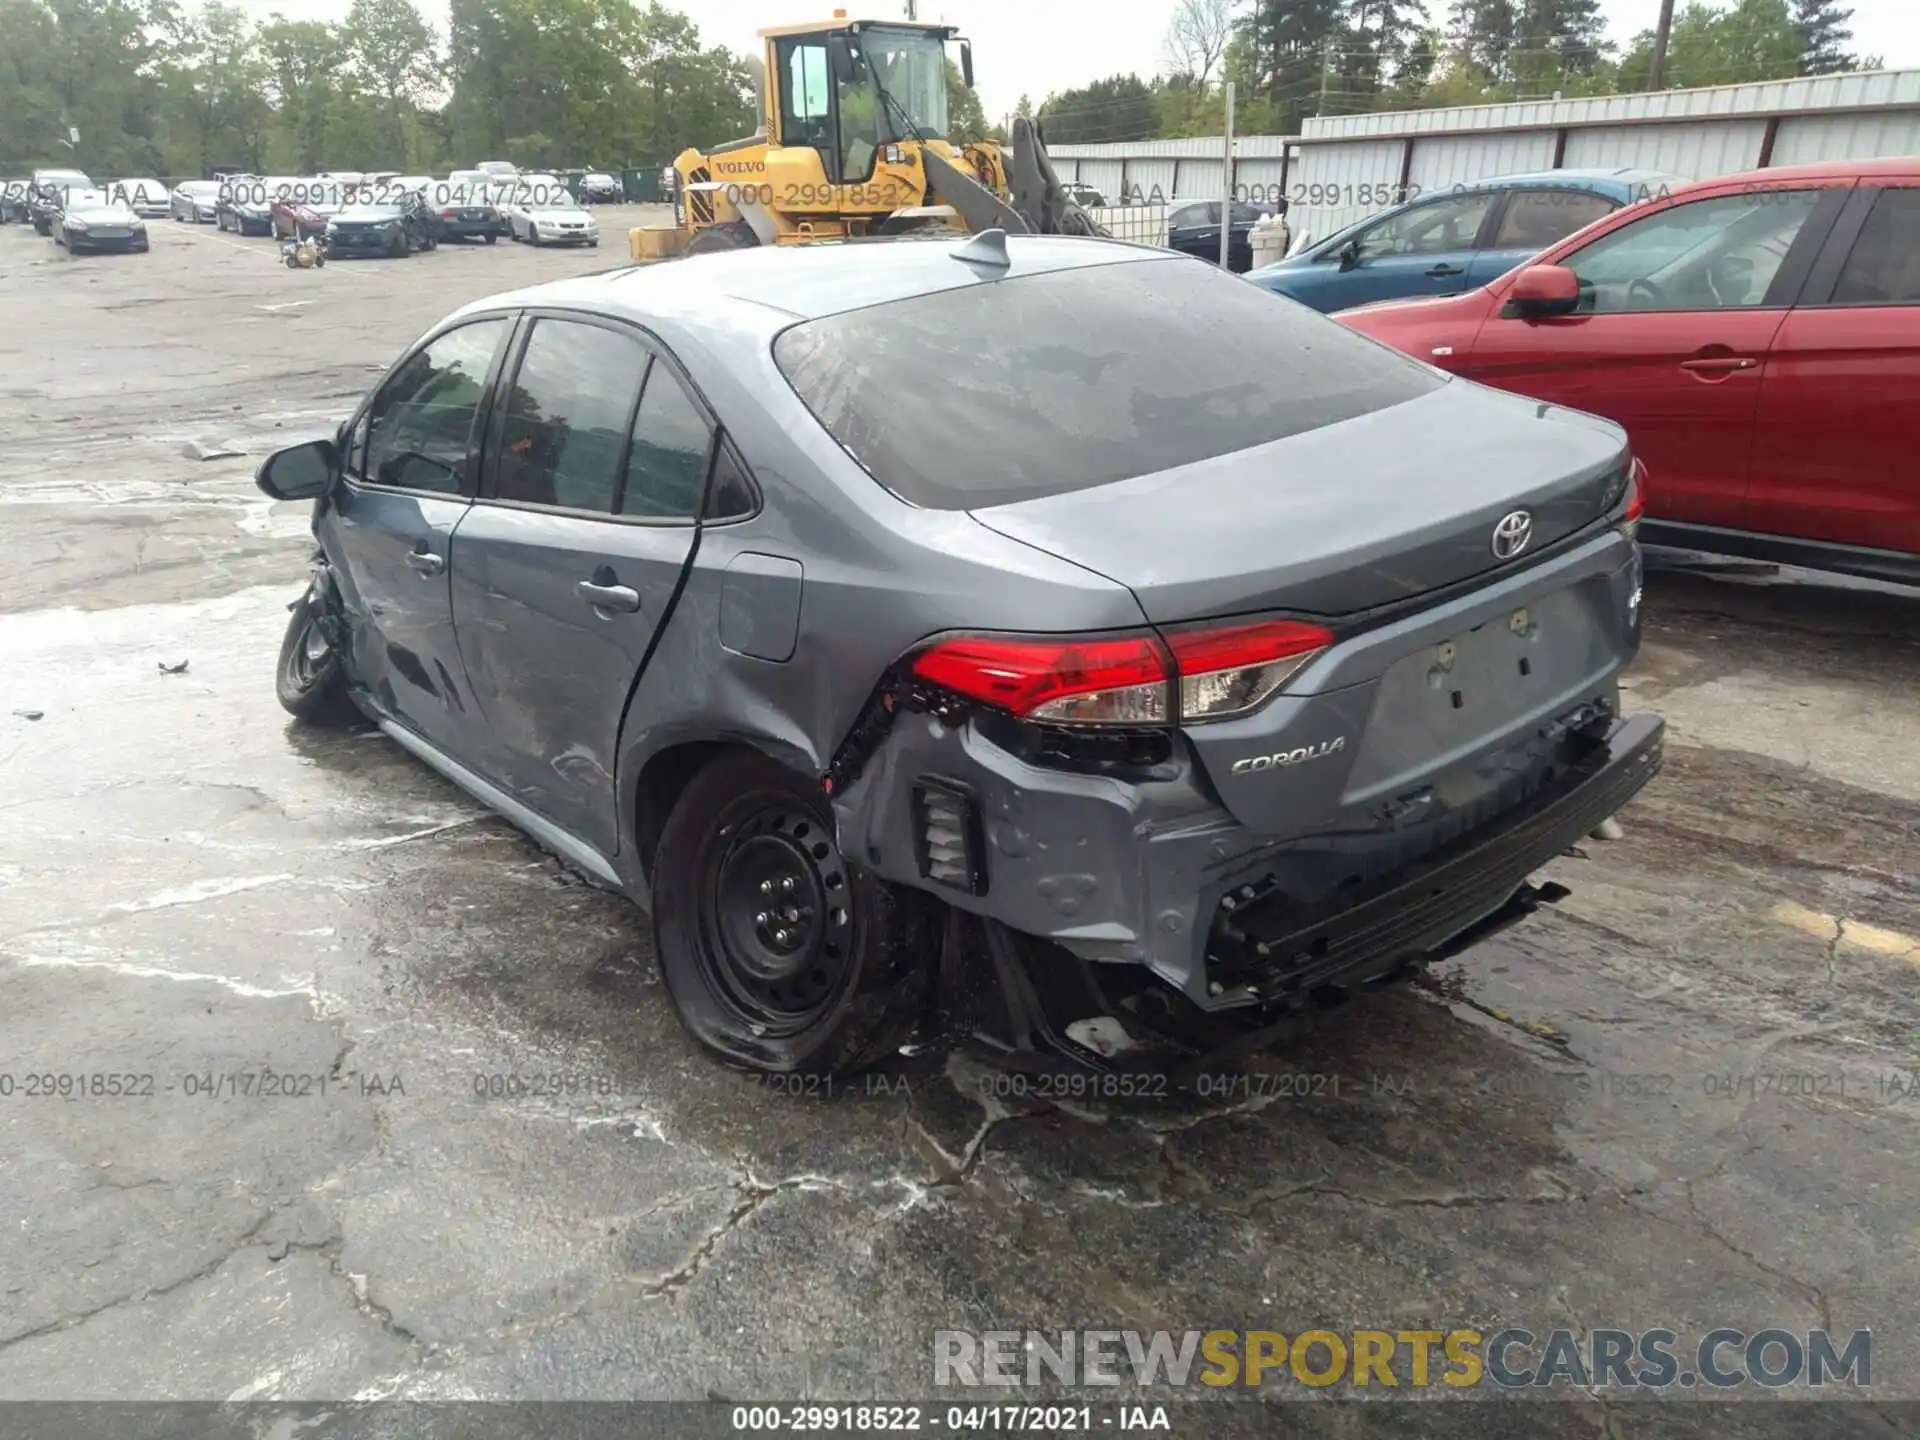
{"x": 989, "y": 248}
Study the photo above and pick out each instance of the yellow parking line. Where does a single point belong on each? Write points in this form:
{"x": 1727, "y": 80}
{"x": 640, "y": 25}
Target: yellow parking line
{"x": 1878, "y": 939}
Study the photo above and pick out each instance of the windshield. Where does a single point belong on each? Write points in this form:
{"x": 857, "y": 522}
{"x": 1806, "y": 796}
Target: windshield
{"x": 911, "y": 67}
{"x": 1092, "y": 375}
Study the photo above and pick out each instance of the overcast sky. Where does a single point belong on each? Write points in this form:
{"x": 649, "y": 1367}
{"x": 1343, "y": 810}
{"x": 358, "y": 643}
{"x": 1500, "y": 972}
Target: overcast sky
{"x": 1033, "y": 46}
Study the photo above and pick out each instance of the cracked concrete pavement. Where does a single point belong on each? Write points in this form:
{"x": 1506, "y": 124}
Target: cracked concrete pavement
{"x": 495, "y": 1167}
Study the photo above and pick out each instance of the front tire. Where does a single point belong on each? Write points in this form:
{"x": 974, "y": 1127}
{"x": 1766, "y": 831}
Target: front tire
{"x": 311, "y": 678}
{"x": 777, "y": 952}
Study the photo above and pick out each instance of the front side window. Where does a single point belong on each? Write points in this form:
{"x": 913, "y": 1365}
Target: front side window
{"x": 1536, "y": 219}
{"x": 1438, "y": 228}
{"x": 1717, "y": 254}
{"x": 566, "y": 416}
{"x": 420, "y": 424}
{"x": 1884, "y": 268}
{"x": 806, "y": 103}
{"x": 1188, "y": 217}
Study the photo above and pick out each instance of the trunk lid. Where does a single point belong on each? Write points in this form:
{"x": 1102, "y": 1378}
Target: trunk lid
{"x": 1366, "y": 512}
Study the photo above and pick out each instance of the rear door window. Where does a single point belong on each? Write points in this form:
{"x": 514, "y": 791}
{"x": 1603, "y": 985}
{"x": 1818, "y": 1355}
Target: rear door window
{"x": 1884, "y": 265}
{"x": 1049, "y": 383}
{"x": 567, "y": 412}
{"x": 1536, "y": 219}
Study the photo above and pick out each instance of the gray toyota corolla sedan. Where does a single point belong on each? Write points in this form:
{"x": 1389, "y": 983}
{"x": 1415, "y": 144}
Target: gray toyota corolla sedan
{"x": 1136, "y": 643}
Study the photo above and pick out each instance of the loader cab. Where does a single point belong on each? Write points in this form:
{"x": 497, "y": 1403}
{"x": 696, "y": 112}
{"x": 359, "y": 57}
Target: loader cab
{"x": 849, "y": 91}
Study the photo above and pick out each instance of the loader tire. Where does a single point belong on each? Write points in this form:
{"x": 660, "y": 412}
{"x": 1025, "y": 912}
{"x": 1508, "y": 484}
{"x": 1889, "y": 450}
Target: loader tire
{"x": 734, "y": 235}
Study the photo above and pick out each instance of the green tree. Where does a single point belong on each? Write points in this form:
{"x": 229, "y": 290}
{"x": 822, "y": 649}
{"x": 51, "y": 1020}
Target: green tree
{"x": 966, "y": 121}
{"x": 1118, "y": 108}
{"x": 304, "y": 59}
{"x": 392, "y": 51}
{"x": 213, "y": 79}
{"x": 1824, "y": 32}
{"x": 1708, "y": 46}
{"x": 1293, "y": 49}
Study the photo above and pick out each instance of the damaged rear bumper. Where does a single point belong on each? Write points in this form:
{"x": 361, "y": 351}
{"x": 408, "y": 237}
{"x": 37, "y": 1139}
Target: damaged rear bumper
{"x": 1154, "y": 873}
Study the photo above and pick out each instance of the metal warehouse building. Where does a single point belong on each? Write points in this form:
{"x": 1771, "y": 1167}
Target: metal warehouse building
{"x": 1345, "y": 167}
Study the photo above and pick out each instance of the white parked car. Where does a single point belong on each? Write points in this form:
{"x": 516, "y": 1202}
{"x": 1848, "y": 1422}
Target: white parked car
{"x": 149, "y": 198}
{"x": 559, "y": 221}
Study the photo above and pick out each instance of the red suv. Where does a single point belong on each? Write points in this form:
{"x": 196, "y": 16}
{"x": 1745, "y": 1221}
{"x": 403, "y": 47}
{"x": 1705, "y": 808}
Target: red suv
{"x": 1759, "y": 337}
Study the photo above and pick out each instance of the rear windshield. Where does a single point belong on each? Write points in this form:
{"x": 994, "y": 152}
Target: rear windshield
{"x": 1050, "y": 383}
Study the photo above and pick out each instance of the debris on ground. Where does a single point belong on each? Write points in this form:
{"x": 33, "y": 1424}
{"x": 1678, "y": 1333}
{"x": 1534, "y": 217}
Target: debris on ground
{"x": 30, "y": 714}
{"x": 200, "y": 450}
{"x": 179, "y": 669}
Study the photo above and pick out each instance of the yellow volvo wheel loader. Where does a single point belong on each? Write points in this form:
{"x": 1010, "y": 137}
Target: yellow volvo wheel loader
{"x": 853, "y": 142}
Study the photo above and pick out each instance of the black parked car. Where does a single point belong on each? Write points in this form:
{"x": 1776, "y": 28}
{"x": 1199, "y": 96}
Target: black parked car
{"x": 397, "y": 226}
{"x": 245, "y": 205}
{"x": 1194, "y": 229}
{"x": 47, "y": 194}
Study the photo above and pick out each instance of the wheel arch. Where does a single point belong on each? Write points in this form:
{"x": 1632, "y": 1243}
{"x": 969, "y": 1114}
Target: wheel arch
{"x": 660, "y": 780}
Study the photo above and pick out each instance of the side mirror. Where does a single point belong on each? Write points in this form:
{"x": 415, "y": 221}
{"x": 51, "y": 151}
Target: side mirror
{"x": 966, "y": 62}
{"x": 840, "y": 60}
{"x": 300, "y": 472}
{"x": 1540, "y": 291}
{"x": 1349, "y": 256}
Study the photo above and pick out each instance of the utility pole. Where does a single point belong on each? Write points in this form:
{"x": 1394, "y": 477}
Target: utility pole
{"x": 1226, "y": 205}
{"x": 1657, "y": 72}
{"x": 912, "y": 10}
{"x": 1326, "y": 76}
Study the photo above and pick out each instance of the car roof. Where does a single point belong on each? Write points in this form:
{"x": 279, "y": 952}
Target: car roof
{"x": 784, "y": 283}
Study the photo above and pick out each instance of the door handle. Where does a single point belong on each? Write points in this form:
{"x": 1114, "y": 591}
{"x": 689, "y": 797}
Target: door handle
{"x": 623, "y": 598}
{"x": 426, "y": 562}
{"x": 1718, "y": 364}
{"x": 1444, "y": 269}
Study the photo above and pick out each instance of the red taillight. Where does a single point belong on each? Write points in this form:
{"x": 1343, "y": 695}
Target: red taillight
{"x": 1233, "y": 670}
{"x": 447, "y": 212}
{"x": 1126, "y": 680}
{"x": 1119, "y": 681}
{"x": 1636, "y": 493}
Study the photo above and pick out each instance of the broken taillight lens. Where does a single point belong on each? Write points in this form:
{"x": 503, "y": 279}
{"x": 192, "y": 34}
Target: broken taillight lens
{"x": 1636, "y": 495}
{"x": 1193, "y": 675}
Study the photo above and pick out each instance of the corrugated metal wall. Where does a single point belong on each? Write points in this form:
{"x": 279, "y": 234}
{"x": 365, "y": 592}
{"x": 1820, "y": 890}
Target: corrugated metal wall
{"x": 1347, "y": 167}
{"x": 1446, "y": 161}
{"x": 1881, "y": 135}
{"x": 1696, "y": 152}
{"x": 1334, "y": 185}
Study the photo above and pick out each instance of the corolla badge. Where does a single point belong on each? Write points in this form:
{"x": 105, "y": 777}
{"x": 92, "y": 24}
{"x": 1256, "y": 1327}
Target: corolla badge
{"x": 1254, "y": 764}
{"x": 1512, "y": 535}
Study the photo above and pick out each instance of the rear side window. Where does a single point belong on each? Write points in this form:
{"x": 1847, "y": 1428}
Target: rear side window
{"x": 1046, "y": 384}
{"x": 1536, "y": 219}
{"x": 1884, "y": 268}
{"x": 667, "y": 469}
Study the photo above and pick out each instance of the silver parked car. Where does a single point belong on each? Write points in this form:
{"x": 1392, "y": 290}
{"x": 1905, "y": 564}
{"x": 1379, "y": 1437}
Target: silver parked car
{"x": 195, "y": 201}
{"x": 1200, "y": 657}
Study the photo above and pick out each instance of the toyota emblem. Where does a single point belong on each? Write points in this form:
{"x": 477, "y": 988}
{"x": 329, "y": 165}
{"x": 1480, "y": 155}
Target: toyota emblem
{"x": 1512, "y": 535}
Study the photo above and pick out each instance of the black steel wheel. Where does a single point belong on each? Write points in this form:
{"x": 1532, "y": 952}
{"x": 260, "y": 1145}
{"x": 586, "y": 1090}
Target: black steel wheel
{"x": 778, "y": 952}
{"x": 311, "y": 678}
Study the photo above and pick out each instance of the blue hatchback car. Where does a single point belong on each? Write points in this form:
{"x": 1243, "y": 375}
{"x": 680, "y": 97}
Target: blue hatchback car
{"x": 1454, "y": 240}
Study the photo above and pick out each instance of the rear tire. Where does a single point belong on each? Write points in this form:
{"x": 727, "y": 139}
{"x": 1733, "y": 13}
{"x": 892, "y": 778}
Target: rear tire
{"x": 491, "y": 237}
{"x": 777, "y": 952}
{"x": 311, "y": 680}
{"x": 734, "y": 235}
